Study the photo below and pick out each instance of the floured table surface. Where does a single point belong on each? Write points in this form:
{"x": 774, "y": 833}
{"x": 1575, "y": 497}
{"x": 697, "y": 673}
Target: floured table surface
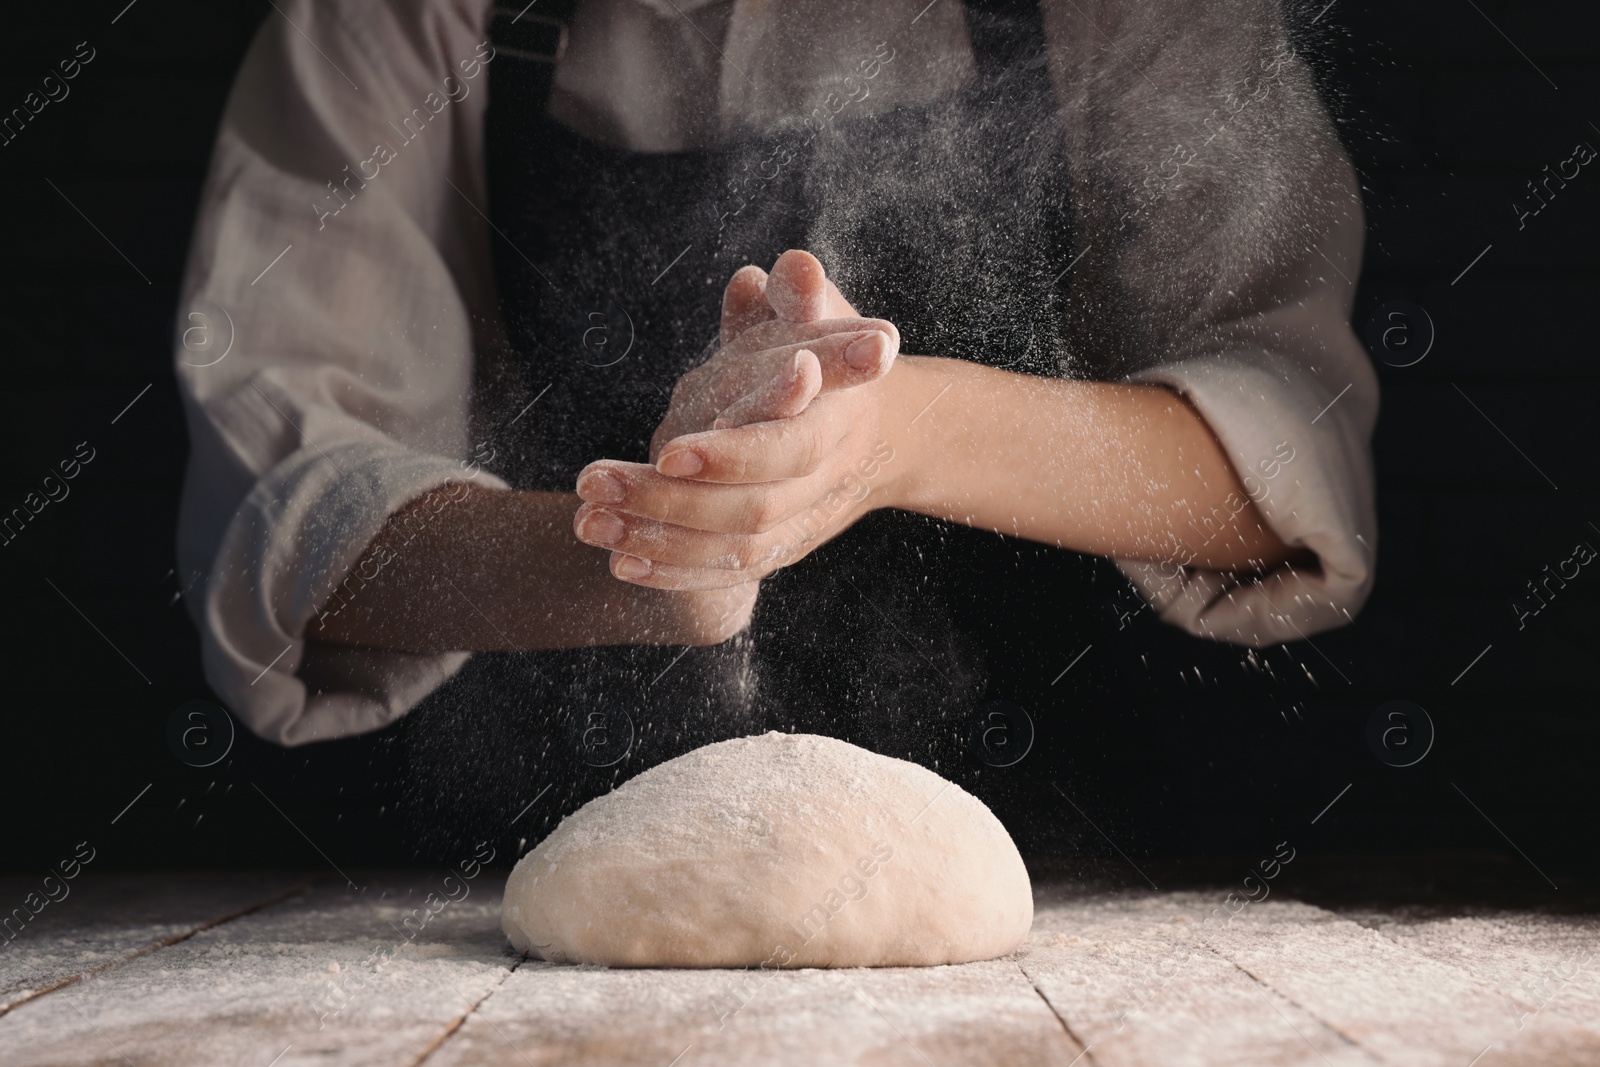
{"x": 278, "y": 971}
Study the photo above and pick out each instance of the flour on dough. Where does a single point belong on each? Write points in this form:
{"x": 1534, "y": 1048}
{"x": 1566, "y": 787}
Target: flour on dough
{"x": 783, "y": 850}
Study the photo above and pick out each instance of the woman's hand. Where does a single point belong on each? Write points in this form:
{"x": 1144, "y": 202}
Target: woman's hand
{"x": 785, "y": 338}
{"x": 762, "y": 495}
{"x": 1130, "y": 471}
{"x": 770, "y": 448}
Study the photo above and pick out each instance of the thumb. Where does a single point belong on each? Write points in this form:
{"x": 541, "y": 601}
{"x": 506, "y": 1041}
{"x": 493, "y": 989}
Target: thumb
{"x": 787, "y": 394}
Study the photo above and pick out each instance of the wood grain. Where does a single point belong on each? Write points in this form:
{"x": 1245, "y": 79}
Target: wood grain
{"x": 981, "y": 1013}
{"x": 1139, "y": 982}
{"x": 249, "y": 990}
{"x": 1405, "y": 1007}
{"x": 109, "y": 918}
{"x": 1546, "y": 967}
{"x": 260, "y": 970}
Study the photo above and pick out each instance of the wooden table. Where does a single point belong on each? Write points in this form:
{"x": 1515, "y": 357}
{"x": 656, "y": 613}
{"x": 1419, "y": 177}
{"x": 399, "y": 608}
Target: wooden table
{"x": 281, "y": 971}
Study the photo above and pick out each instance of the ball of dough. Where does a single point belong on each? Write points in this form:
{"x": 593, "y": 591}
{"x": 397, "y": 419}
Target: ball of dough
{"x": 784, "y": 850}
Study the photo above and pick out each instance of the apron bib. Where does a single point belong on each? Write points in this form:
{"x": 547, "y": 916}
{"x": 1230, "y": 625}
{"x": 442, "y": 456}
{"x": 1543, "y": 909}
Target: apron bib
{"x": 953, "y": 220}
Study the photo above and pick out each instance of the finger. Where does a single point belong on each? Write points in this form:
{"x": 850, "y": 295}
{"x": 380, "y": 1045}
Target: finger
{"x": 797, "y": 289}
{"x": 639, "y": 571}
{"x": 773, "y": 345}
{"x": 664, "y": 542}
{"x": 744, "y": 302}
{"x": 796, "y": 298}
{"x": 635, "y": 489}
{"x": 759, "y": 452}
{"x": 708, "y": 390}
{"x": 785, "y": 394}
{"x": 775, "y": 333}
{"x": 857, "y": 351}
{"x": 842, "y": 360}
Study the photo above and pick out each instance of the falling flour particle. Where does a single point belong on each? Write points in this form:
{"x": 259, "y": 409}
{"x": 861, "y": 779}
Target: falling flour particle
{"x": 783, "y": 850}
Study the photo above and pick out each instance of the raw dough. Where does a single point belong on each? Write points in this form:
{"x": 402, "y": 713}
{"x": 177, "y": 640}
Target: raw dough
{"x": 784, "y": 850}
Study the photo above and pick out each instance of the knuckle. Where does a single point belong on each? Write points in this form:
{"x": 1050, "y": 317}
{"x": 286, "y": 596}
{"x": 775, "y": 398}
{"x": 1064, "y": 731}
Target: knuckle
{"x": 756, "y": 515}
{"x": 669, "y": 508}
{"x": 764, "y": 512}
{"x": 727, "y": 460}
{"x": 663, "y": 576}
{"x": 740, "y": 465}
{"x": 814, "y": 449}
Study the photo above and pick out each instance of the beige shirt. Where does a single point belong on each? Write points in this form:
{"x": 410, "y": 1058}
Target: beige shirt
{"x": 327, "y": 359}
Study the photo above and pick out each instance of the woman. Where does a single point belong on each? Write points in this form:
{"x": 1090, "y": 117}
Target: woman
{"x": 1118, "y": 238}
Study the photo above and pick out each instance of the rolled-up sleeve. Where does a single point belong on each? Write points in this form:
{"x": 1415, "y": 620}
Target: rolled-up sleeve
{"x": 1223, "y": 231}
{"x": 325, "y": 343}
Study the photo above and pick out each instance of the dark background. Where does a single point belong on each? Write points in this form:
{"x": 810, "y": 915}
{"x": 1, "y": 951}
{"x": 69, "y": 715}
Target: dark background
{"x": 1188, "y": 752}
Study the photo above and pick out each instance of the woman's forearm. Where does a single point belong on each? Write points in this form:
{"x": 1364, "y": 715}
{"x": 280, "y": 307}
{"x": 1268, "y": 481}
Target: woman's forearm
{"x": 468, "y": 568}
{"x": 1128, "y": 471}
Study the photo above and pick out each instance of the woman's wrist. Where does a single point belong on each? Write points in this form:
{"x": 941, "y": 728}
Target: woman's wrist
{"x": 917, "y": 386}
{"x": 1113, "y": 469}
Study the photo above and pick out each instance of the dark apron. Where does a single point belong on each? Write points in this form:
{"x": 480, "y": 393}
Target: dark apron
{"x": 951, "y": 219}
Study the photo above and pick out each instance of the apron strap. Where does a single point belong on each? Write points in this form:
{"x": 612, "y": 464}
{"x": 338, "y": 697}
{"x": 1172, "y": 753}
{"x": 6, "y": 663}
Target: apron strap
{"x": 1007, "y": 36}
{"x": 528, "y": 42}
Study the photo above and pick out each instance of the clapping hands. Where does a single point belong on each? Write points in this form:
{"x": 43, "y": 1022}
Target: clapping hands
{"x": 771, "y": 447}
